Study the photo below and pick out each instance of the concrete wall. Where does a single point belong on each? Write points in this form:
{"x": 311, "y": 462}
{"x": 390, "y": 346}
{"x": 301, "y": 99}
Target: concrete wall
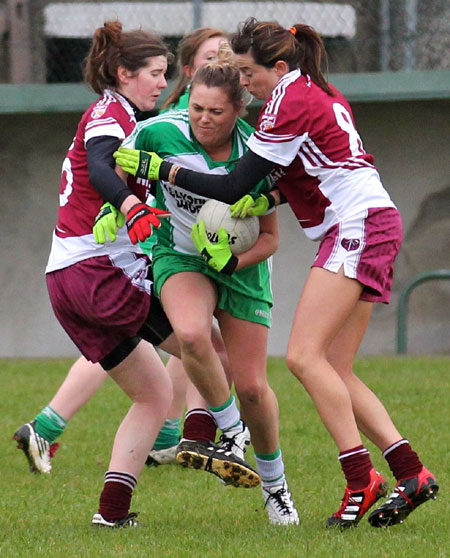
{"x": 410, "y": 143}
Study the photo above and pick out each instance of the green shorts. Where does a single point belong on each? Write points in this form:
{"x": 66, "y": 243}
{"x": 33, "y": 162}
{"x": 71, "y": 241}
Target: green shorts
{"x": 147, "y": 245}
{"x": 246, "y": 294}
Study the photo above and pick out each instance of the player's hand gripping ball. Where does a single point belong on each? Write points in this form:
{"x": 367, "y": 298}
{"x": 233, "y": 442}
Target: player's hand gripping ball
{"x": 242, "y": 233}
{"x": 252, "y": 203}
{"x": 217, "y": 254}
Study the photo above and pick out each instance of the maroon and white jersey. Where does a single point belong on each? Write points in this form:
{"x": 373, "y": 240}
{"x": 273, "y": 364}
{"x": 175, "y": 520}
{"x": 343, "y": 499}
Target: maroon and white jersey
{"x": 79, "y": 202}
{"x": 324, "y": 171}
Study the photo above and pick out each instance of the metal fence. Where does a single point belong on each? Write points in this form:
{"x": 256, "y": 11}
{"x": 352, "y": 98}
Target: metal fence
{"x": 45, "y": 42}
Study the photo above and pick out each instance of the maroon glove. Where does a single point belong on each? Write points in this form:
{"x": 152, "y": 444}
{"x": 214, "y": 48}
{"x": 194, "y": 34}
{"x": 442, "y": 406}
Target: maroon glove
{"x": 140, "y": 219}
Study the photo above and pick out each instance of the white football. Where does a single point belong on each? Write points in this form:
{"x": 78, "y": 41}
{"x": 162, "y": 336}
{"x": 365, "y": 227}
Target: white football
{"x": 242, "y": 233}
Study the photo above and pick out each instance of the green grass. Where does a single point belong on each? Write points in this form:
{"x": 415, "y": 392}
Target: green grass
{"x": 189, "y": 513}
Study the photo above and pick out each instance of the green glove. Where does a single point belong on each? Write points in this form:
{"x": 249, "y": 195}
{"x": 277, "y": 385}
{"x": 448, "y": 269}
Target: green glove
{"x": 251, "y": 204}
{"x": 218, "y": 255}
{"x": 142, "y": 164}
{"x": 106, "y": 223}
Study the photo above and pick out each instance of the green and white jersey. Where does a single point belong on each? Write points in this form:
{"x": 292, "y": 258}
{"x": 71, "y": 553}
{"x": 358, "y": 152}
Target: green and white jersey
{"x": 182, "y": 102}
{"x": 170, "y": 135}
{"x": 247, "y": 294}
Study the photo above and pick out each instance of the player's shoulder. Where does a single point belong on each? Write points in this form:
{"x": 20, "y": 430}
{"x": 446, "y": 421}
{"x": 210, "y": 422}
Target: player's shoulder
{"x": 111, "y": 114}
{"x": 244, "y": 129}
{"x": 296, "y": 96}
{"x": 164, "y": 122}
{"x": 313, "y": 93}
{"x": 165, "y": 126}
{"x": 338, "y": 97}
{"x": 286, "y": 94}
{"x": 110, "y": 105}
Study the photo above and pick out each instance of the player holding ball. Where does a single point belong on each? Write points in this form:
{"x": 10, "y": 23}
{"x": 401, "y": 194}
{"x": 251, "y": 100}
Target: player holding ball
{"x": 210, "y": 137}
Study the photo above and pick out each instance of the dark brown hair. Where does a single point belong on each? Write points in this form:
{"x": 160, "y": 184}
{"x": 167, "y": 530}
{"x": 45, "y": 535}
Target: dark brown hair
{"x": 300, "y": 47}
{"x": 111, "y": 47}
{"x": 187, "y": 49}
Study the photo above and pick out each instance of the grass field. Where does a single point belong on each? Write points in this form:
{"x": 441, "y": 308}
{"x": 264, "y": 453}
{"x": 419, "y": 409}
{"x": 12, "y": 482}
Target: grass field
{"x": 189, "y": 513}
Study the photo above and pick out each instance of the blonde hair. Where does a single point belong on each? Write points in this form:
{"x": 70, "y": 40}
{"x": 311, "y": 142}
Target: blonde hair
{"x": 224, "y": 75}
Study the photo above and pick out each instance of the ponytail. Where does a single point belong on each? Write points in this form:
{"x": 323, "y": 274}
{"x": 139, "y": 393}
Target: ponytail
{"x": 103, "y": 55}
{"x": 311, "y": 54}
{"x": 300, "y": 47}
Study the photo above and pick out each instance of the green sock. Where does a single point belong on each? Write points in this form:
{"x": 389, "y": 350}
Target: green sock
{"x": 49, "y": 424}
{"x": 169, "y": 435}
{"x": 227, "y": 404}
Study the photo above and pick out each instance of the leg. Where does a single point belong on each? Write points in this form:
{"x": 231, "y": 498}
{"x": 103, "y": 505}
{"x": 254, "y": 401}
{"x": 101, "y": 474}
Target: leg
{"x": 142, "y": 376}
{"x": 185, "y": 392}
{"x": 246, "y": 344}
{"x": 180, "y": 381}
{"x": 164, "y": 450}
{"x": 414, "y": 480}
{"x": 37, "y": 437}
{"x": 82, "y": 382}
{"x": 219, "y": 347}
{"x": 320, "y": 315}
{"x": 199, "y": 425}
{"x": 189, "y": 300}
{"x": 327, "y": 302}
{"x": 371, "y": 416}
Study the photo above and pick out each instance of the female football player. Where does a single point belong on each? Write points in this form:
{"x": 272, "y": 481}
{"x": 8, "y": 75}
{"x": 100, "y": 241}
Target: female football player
{"x": 195, "y": 49}
{"x": 210, "y": 136}
{"x": 101, "y": 293}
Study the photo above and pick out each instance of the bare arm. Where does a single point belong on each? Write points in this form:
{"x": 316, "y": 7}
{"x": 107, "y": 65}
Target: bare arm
{"x": 266, "y": 245}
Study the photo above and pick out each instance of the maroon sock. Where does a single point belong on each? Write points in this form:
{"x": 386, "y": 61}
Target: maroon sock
{"x": 199, "y": 425}
{"x": 115, "y": 498}
{"x": 402, "y": 460}
{"x": 356, "y": 466}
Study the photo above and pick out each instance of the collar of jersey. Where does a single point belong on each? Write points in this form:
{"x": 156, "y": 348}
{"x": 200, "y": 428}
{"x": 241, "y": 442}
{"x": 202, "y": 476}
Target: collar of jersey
{"x": 229, "y": 163}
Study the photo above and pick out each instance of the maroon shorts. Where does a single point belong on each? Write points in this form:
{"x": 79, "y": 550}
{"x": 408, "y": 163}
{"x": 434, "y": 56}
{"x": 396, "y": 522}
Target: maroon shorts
{"x": 366, "y": 246}
{"x": 101, "y": 301}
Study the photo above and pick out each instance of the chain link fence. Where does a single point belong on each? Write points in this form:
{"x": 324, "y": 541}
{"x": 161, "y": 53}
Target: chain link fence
{"x": 45, "y": 42}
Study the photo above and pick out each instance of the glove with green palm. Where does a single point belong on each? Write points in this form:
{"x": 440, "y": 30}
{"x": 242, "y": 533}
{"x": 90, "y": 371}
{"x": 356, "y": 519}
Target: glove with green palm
{"x": 142, "y": 164}
{"x": 218, "y": 255}
{"x": 251, "y": 204}
{"x": 108, "y": 220}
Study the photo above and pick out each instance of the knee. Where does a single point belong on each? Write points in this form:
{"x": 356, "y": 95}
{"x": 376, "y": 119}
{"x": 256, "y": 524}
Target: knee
{"x": 157, "y": 393}
{"x": 192, "y": 342}
{"x": 251, "y": 393}
{"x": 299, "y": 362}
